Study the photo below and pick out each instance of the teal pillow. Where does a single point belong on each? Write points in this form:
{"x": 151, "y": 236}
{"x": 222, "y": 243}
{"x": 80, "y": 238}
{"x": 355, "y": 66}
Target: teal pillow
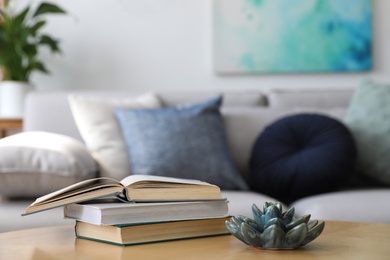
{"x": 187, "y": 142}
{"x": 368, "y": 118}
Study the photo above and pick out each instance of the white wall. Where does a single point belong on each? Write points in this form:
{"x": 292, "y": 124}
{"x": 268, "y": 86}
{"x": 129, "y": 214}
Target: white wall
{"x": 167, "y": 44}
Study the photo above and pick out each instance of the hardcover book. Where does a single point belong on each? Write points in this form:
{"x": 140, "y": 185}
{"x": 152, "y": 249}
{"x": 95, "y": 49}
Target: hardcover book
{"x": 131, "y": 234}
{"x": 139, "y": 188}
{"x": 112, "y": 213}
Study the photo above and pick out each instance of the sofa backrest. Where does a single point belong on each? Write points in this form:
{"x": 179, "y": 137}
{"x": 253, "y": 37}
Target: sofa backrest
{"x": 320, "y": 98}
{"x": 246, "y": 113}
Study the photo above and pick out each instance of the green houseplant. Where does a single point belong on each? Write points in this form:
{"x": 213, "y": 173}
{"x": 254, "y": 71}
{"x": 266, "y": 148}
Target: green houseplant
{"x": 21, "y": 38}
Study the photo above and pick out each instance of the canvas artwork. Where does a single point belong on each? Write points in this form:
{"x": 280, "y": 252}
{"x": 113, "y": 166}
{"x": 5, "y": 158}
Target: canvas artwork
{"x": 284, "y": 36}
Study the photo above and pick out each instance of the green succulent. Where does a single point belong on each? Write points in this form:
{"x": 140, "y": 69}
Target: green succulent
{"x": 274, "y": 229}
{"x": 20, "y": 39}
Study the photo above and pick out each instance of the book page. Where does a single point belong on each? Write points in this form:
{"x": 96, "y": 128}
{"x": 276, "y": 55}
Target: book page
{"x": 78, "y": 188}
{"x": 53, "y": 203}
{"x": 158, "y": 180}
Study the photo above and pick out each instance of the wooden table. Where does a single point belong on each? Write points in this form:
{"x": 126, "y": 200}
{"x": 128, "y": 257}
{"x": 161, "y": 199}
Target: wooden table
{"x": 7, "y": 124}
{"x": 339, "y": 240}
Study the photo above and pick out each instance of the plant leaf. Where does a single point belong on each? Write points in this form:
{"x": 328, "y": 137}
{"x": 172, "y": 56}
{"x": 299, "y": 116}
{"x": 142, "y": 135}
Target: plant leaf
{"x": 30, "y": 50}
{"x": 20, "y": 17}
{"x": 53, "y": 44}
{"x": 48, "y": 8}
{"x": 37, "y": 26}
{"x": 39, "y": 66}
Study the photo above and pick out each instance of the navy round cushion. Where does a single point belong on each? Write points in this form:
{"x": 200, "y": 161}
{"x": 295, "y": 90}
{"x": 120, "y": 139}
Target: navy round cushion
{"x": 302, "y": 155}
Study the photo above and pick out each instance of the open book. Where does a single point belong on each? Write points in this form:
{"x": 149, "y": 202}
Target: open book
{"x": 137, "y": 188}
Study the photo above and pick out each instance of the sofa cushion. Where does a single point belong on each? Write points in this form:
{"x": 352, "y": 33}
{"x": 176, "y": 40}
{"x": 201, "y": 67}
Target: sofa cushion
{"x": 185, "y": 142}
{"x": 241, "y": 202}
{"x": 36, "y": 163}
{"x": 368, "y": 119}
{"x": 362, "y": 205}
{"x": 243, "y": 125}
{"x": 301, "y": 155}
{"x": 98, "y": 126}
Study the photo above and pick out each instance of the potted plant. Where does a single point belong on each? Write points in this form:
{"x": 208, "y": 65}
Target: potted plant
{"x": 20, "y": 41}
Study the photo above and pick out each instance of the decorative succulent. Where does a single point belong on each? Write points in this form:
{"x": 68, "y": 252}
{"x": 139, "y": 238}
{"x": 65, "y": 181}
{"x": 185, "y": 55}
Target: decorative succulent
{"x": 274, "y": 229}
{"x": 21, "y": 38}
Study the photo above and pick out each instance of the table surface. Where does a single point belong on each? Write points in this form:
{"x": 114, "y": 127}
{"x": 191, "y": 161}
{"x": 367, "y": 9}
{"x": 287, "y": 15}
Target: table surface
{"x": 339, "y": 240}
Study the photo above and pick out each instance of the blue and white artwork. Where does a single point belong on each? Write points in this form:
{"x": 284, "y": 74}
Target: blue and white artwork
{"x": 291, "y": 36}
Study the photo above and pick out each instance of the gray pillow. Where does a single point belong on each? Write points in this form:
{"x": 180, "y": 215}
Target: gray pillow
{"x": 368, "y": 118}
{"x": 187, "y": 142}
{"x": 36, "y": 163}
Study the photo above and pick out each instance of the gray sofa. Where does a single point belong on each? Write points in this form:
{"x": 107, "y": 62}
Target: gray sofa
{"x": 246, "y": 114}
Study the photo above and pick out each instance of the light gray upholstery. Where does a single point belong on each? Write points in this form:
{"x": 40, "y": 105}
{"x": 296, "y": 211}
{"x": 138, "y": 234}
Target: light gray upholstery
{"x": 11, "y": 218}
{"x": 230, "y": 99}
{"x": 325, "y": 98}
{"x": 363, "y": 205}
{"x": 49, "y": 111}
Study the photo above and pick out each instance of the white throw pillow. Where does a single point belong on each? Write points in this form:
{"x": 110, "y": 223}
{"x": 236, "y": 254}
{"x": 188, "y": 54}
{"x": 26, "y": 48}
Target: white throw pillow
{"x": 36, "y": 163}
{"x": 101, "y": 132}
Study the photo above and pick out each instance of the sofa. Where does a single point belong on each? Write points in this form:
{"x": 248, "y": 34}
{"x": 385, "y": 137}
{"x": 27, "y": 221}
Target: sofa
{"x": 245, "y": 116}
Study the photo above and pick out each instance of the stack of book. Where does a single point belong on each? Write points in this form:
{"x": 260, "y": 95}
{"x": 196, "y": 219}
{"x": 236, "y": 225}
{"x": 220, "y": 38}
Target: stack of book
{"x": 144, "y": 209}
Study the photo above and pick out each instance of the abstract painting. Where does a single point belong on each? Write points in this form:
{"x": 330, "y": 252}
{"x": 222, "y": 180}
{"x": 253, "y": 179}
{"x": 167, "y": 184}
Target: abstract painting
{"x": 284, "y": 36}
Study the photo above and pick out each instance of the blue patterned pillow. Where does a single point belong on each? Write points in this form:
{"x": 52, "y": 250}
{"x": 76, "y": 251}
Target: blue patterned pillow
{"x": 368, "y": 118}
{"x": 187, "y": 142}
